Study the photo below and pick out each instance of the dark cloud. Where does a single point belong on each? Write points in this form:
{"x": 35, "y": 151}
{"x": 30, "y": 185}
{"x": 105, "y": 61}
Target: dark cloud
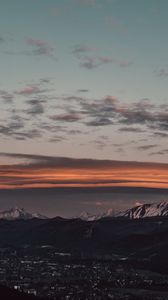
{"x": 58, "y": 112}
{"x": 53, "y": 128}
{"x": 6, "y": 96}
{"x": 75, "y": 131}
{"x": 83, "y": 91}
{"x": 147, "y": 147}
{"x": 75, "y": 98}
{"x": 99, "y": 122}
{"x": 109, "y": 110}
{"x": 99, "y": 144}
{"x": 131, "y": 129}
{"x": 160, "y": 134}
{"x": 45, "y": 80}
{"x": 12, "y": 127}
{"x": 66, "y": 117}
{"x": 120, "y": 150}
{"x": 160, "y": 152}
{"x": 36, "y": 107}
{"x": 134, "y": 116}
{"x": 66, "y": 162}
{"x": 104, "y": 108}
{"x": 89, "y": 63}
{"x": 29, "y": 134}
{"x": 5, "y": 130}
{"x": 35, "y": 101}
{"x": 56, "y": 139}
{"x": 17, "y": 128}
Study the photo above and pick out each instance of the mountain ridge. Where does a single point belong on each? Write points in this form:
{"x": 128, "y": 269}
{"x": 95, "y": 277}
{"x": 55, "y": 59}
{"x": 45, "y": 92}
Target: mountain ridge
{"x": 135, "y": 212}
{"x": 146, "y": 210}
{"x": 16, "y": 213}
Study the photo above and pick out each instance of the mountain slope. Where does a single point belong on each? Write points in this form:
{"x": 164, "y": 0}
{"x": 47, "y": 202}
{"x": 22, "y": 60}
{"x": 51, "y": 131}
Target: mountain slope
{"x": 106, "y": 235}
{"x": 146, "y": 210}
{"x": 136, "y": 212}
{"x": 19, "y": 213}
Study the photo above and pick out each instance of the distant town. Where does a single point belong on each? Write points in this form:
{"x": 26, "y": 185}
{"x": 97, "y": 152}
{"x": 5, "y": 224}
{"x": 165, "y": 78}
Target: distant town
{"x": 44, "y": 272}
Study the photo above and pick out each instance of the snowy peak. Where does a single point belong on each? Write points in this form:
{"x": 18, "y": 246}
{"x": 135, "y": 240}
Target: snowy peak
{"x": 88, "y": 217}
{"x": 19, "y": 214}
{"x": 136, "y": 212}
{"x": 146, "y": 210}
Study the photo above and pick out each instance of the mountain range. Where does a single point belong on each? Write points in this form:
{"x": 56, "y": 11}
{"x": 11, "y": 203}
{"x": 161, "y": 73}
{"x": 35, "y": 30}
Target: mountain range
{"x": 136, "y": 212}
{"x": 141, "y": 232}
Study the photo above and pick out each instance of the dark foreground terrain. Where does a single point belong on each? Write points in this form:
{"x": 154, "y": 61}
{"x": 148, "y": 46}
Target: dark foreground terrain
{"x": 11, "y": 294}
{"x": 138, "y": 238}
{"x": 74, "y": 259}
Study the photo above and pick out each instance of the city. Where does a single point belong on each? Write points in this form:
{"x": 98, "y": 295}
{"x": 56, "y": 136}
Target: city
{"x": 43, "y": 272}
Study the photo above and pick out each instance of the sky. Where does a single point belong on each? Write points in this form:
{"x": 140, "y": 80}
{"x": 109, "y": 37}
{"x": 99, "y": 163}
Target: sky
{"x": 83, "y": 97}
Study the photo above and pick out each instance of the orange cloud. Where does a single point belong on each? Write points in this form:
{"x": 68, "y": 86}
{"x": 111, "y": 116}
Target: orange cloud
{"x": 43, "y": 171}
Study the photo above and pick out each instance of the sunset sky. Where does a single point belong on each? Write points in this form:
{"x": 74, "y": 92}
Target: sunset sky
{"x": 83, "y": 98}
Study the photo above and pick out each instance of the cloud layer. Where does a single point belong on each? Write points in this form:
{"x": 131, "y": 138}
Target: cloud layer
{"x": 47, "y": 171}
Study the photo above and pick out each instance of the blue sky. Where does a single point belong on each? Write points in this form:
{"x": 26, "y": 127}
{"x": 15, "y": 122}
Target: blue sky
{"x": 84, "y": 78}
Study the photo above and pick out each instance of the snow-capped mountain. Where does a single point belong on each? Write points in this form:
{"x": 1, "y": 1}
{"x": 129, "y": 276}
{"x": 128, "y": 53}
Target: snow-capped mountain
{"x": 19, "y": 213}
{"x": 146, "y": 210}
{"x": 136, "y": 212}
{"x": 88, "y": 217}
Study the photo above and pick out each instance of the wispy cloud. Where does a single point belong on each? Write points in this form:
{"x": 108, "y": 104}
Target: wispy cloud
{"x": 40, "y": 47}
{"x": 160, "y": 152}
{"x": 79, "y": 49}
{"x": 29, "y": 90}
{"x": 34, "y": 47}
{"x": 90, "y": 59}
{"x": 163, "y": 73}
{"x": 147, "y": 147}
{"x": 92, "y": 62}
